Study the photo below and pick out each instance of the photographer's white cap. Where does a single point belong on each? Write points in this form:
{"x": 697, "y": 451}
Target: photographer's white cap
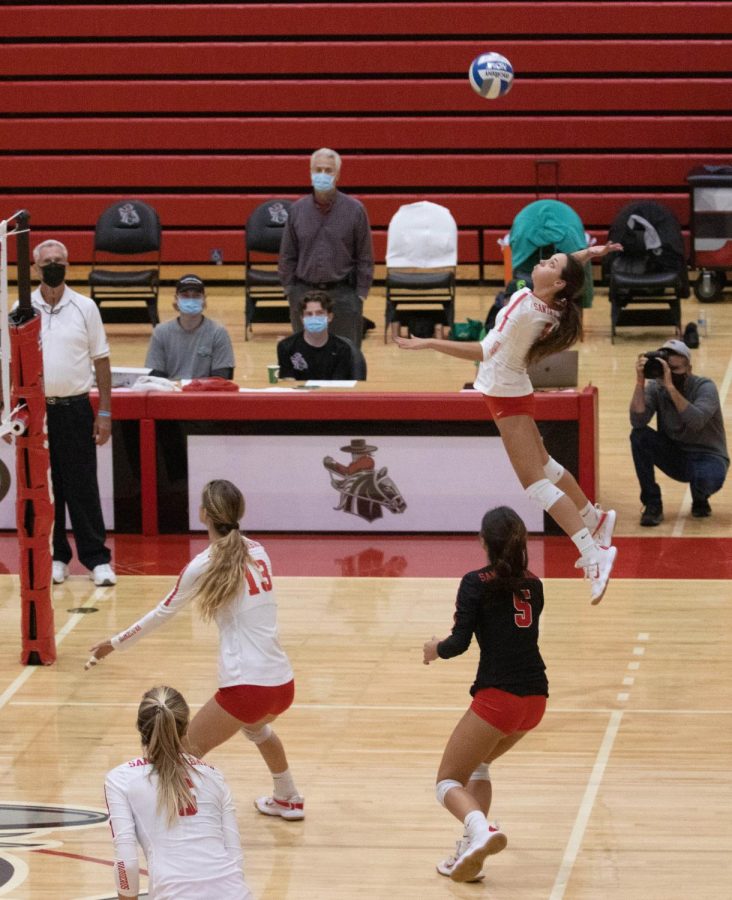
{"x": 678, "y": 347}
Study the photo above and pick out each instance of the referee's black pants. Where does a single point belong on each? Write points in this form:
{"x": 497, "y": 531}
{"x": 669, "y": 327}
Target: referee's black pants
{"x": 74, "y": 476}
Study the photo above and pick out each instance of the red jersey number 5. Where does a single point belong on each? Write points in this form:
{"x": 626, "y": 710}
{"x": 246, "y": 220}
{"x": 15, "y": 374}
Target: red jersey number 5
{"x": 524, "y": 613}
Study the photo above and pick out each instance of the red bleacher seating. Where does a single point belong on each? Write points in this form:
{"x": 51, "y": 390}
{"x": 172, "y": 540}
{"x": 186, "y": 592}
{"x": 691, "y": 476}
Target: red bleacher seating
{"x": 204, "y": 109}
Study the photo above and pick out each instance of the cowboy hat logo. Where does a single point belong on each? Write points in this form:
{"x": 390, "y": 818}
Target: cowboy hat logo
{"x": 364, "y": 490}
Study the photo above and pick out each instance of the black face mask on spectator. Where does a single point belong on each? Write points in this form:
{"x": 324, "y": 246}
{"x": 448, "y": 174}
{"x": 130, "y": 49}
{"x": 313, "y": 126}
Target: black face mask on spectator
{"x": 53, "y": 274}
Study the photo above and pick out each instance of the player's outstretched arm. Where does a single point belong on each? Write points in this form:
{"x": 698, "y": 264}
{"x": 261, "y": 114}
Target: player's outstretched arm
{"x": 596, "y": 252}
{"x": 472, "y": 350}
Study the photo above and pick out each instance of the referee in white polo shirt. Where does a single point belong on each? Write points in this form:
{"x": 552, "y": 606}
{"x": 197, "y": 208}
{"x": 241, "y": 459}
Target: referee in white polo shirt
{"x": 73, "y": 340}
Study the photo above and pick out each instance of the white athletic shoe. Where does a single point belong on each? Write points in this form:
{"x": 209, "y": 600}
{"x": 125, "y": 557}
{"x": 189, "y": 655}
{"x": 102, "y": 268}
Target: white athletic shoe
{"x": 470, "y": 862}
{"x": 59, "y": 571}
{"x": 103, "y": 576}
{"x": 597, "y": 570}
{"x": 603, "y": 533}
{"x": 292, "y": 809}
{"x": 446, "y": 866}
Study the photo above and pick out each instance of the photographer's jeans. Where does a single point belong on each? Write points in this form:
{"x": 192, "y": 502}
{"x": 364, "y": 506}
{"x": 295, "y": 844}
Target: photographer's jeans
{"x": 704, "y": 472}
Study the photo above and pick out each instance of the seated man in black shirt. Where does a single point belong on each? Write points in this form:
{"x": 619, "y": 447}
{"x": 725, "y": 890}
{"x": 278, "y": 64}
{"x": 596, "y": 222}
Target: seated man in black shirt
{"x": 313, "y": 353}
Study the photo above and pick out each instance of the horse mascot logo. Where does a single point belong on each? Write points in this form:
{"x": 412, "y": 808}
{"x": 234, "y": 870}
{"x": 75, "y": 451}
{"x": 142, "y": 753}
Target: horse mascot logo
{"x": 364, "y": 489}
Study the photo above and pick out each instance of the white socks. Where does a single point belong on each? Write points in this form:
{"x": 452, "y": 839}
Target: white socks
{"x": 284, "y": 785}
{"x": 590, "y": 515}
{"x": 476, "y": 825}
{"x": 585, "y": 543}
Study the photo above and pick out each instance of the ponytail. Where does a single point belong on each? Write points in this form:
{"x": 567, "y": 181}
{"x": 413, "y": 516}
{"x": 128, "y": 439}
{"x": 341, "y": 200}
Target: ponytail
{"x": 162, "y": 721}
{"x": 504, "y": 535}
{"x": 569, "y": 328}
{"x": 223, "y": 580}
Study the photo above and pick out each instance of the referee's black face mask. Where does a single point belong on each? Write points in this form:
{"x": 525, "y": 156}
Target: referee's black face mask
{"x": 53, "y": 274}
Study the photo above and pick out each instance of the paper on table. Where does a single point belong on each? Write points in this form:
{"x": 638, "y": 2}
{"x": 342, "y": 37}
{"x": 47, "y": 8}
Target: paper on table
{"x": 342, "y": 384}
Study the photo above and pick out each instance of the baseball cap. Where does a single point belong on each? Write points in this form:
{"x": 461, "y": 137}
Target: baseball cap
{"x": 190, "y": 283}
{"x": 678, "y": 347}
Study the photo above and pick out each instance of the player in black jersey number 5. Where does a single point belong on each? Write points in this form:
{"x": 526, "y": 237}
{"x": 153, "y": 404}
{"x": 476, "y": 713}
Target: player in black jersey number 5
{"x": 500, "y": 604}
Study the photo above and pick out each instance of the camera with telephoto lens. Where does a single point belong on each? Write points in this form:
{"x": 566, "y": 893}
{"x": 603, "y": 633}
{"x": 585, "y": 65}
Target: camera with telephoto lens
{"x": 653, "y": 367}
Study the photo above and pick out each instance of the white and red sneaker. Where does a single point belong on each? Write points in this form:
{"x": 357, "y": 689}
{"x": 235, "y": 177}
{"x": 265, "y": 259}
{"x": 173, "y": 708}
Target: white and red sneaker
{"x": 603, "y": 533}
{"x": 294, "y": 808}
{"x": 446, "y": 866}
{"x": 469, "y": 864}
{"x": 597, "y": 570}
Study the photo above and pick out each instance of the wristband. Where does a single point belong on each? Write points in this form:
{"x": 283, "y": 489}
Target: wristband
{"x": 104, "y": 412}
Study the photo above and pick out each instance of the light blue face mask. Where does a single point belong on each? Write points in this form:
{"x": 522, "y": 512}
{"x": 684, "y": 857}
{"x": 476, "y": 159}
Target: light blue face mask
{"x": 192, "y": 306}
{"x": 322, "y": 181}
{"x": 315, "y": 324}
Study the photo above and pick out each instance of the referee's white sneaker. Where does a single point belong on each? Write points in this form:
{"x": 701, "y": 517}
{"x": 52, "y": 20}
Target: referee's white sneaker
{"x": 294, "y": 808}
{"x": 597, "y": 568}
{"x": 103, "y": 576}
{"x": 59, "y": 571}
{"x": 470, "y": 862}
{"x": 603, "y": 533}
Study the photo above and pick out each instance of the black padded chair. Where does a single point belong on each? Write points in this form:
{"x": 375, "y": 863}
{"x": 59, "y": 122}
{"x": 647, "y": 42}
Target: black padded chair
{"x": 264, "y": 298}
{"x": 359, "y": 369}
{"x": 651, "y": 273}
{"x": 127, "y": 228}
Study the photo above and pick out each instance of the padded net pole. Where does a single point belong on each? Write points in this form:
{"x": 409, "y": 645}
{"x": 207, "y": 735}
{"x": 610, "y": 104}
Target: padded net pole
{"x": 34, "y": 510}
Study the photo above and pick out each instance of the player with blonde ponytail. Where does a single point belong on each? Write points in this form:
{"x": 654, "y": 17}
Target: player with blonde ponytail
{"x": 178, "y": 808}
{"x": 232, "y": 583}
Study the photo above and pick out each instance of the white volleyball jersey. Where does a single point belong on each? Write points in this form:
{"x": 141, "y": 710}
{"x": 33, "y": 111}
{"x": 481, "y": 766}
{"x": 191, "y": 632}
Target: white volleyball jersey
{"x": 519, "y": 324}
{"x": 249, "y": 646}
{"x": 198, "y": 856}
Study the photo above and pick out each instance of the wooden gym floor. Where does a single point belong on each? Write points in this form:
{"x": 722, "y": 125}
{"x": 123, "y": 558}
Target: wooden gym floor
{"x": 622, "y": 792}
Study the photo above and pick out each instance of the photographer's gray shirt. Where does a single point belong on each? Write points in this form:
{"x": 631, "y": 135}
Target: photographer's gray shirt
{"x": 189, "y": 354}
{"x": 699, "y": 428}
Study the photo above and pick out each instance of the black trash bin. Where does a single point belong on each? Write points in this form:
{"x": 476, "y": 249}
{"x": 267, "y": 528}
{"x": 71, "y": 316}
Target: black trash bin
{"x": 711, "y": 228}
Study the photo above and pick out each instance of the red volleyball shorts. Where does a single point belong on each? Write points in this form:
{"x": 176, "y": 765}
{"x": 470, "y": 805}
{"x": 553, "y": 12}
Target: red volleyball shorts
{"x": 251, "y": 702}
{"x": 503, "y": 407}
{"x": 508, "y": 712}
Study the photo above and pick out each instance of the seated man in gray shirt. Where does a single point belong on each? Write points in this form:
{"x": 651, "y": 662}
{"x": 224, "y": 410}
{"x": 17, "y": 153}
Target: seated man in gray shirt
{"x": 190, "y": 346}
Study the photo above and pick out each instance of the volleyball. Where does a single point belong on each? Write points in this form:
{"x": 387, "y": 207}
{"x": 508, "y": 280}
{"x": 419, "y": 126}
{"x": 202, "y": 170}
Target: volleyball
{"x": 491, "y": 75}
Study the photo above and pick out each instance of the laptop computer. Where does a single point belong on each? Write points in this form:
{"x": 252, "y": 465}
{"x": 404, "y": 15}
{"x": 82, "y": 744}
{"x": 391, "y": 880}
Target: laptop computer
{"x": 560, "y": 370}
{"x": 126, "y": 376}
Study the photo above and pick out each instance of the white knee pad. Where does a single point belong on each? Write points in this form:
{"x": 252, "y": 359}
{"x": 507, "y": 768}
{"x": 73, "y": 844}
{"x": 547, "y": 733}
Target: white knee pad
{"x": 553, "y": 470}
{"x": 442, "y": 787}
{"x": 257, "y": 737}
{"x": 481, "y": 773}
{"x": 544, "y": 493}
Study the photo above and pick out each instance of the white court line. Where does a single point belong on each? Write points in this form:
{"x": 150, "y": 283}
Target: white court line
{"x": 685, "y": 507}
{"x": 18, "y": 683}
{"x": 355, "y": 707}
{"x": 585, "y": 810}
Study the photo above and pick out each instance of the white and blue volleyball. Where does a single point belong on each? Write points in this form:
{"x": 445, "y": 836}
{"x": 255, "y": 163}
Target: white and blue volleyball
{"x": 491, "y": 75}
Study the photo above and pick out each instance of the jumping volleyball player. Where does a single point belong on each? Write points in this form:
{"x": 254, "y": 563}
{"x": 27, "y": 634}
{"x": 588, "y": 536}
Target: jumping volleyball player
{"x": 232, "y": 581}
{"x": 178, "y": 808}
{"x": 534, "y": 324}
{"x": 500, "y": 604}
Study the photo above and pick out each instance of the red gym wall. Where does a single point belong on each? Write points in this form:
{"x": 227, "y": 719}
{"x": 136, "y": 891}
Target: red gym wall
{"x": 204, "y": 110}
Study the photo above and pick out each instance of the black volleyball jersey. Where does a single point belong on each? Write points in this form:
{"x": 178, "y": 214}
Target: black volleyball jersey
{"x": 505, "y": 621}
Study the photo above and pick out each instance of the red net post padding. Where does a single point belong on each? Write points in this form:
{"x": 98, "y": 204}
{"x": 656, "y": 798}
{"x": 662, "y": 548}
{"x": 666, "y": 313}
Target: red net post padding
{"x": 34, "y": 507}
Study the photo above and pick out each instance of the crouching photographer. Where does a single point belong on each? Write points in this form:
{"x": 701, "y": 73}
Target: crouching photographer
{"x": 689, "y": 443}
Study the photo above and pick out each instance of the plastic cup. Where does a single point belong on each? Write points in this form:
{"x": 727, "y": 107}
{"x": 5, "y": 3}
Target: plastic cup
{"x": 273, "y": 374}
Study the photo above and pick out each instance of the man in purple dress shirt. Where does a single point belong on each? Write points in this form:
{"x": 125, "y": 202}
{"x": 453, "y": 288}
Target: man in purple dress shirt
{"x": 327, "y": 246}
